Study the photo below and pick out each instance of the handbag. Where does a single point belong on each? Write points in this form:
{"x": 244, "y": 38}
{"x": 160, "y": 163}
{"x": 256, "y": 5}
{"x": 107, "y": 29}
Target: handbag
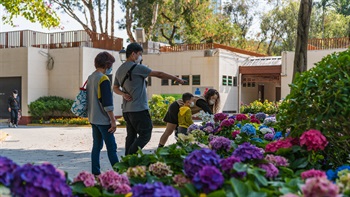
{"x": 79, "y": 107}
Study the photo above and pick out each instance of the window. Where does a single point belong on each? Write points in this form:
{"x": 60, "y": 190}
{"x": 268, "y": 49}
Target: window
{"x": 149, "y": 81}
{"x": 224, "y": 80}
{"x": 174, "y": 83}
{"x": 196, "y": 80}
{"x": 244, "y": 84}
{"x": 235, "y": 81}
{"x": 229, "y": 82}
{"x": 165, "y": 82}
{"x": 253, "y": 84}
{"x": 187, "y": 79}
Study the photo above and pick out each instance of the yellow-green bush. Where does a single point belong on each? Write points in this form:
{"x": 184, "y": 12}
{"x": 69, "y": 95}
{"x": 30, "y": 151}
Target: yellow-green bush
{"x": 258, "y": 106}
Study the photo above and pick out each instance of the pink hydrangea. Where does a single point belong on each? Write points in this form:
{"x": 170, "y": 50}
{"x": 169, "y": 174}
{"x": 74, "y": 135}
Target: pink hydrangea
{"x": 319, "y": 186}
{"x": 312, "y": 173}
{"x": 271, "y": 170}
{"x": 180, "y": 180}
{"x": 254, "y": 120}
{"x": 240, "y": 117}
{"x": 227, "y": 122}
{"x": 122, "y": 189}
{"x": 235, "y": 133}
{"x": 313, "y": 140}
{"x": 86, "y": 177}
{"x": 274, "y": 146}
{"x": 220, "y": 117}
{"x": 111, "y": 180}
{"x": 277, "y": 160}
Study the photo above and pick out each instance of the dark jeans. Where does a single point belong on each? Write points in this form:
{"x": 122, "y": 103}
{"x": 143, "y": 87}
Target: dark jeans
{"x": 14, "y": 116}
{"x": 99, "y": 134}
{"x": 139, "y": 130}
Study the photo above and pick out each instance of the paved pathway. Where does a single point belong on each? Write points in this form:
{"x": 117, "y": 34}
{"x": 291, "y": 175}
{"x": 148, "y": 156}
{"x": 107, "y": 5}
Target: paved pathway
{"x": 67, "y": 148}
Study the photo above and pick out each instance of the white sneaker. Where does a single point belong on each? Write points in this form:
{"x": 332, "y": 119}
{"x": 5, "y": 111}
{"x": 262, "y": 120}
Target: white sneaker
{"x": 10, "y": 124}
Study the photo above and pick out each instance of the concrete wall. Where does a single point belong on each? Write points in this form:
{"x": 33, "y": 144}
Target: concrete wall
{"x": 313, "y": 57}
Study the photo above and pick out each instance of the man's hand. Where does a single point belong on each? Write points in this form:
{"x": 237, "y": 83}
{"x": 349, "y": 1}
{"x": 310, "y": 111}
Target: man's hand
{"x": 127, "y": 97}
{"x": 9, "y": 109}
{"x": 180, "y": 81}
{"x": 113, "y": 127}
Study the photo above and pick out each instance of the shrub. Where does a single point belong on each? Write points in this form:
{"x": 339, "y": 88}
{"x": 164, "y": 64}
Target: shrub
{"x": 50, "y": 106}
{"x": 158, "y": 108}
{"x": 319, "y": 99}
{"x": 258, "y": 106}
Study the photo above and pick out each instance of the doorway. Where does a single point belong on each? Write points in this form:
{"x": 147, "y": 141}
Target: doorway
{"x": 7, "y": 85}
{"x": 261, "y": 96}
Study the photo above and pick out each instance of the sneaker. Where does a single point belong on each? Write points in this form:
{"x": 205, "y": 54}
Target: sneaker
{"x": 10, "y": 124}
{"x": 15, "y": 126}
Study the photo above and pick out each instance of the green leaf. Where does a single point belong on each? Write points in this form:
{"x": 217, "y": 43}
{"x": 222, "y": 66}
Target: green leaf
{"x": 217, "y": 193}
{"x": 92, "y": 191}
{"x": 190, "y": 190}
{"x": 78, "y": 187}
{"x": 240, "y": 167}
{"x": 299, "y": 163}
{"x": 240, "y": 188}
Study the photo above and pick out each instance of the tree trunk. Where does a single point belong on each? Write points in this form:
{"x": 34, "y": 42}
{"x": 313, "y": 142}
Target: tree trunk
{"x": 300, "y": 59}
{"x": 154, "y": 20}
{"x": 112, "y": 18}
{"x": 100, "y": 16}
{"x": 129, "y": 19}
{"x": 107, "y": 14}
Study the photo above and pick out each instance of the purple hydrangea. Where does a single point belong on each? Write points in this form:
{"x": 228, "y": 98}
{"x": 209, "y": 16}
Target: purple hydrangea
{"x": 227, "y": 165}
{"x": 41, "y": 180}
{"x": 192, "y": 127}
{"x": 199, "y": 158}
{"x": 277, "y": 160}
{"x": 7, "y": 167}
{"x": 227, "y": 123}
{"x": 247, "y": 151}
{"x": 220, "y": 143}
{"x": 261, "y": 116}
{"x": 271, "y": 170}
{"x": 208, "y": 179}
{"x": 248, "y": 129}
{"x": 208, "y": 129}
{"x": 269, "y": 136}
{"x": 220, "y": 117}
{"x": 157, "y": 189}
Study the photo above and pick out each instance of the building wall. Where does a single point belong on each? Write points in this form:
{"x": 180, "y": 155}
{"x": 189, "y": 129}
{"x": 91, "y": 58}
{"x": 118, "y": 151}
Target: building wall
{"x": 313, "y": 57}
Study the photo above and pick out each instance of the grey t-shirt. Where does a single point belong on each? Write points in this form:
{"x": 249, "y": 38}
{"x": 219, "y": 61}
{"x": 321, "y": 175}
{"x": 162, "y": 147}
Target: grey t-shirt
{"x": 136, "y": 87}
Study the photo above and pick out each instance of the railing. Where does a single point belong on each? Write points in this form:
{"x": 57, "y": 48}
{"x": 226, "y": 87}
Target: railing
{"x": 204, "y": 46}
{"x": 28, "y": 38}
{"x": 328, "y": 43}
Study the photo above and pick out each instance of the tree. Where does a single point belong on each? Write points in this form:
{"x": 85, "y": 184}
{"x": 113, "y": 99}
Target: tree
{"x": 102, "y": 23}
{"x": 34, "y": 11}
{"x": 300, "y": 58}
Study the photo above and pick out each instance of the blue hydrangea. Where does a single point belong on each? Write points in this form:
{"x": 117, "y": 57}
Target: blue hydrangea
{"x": 248, "y": 129}
{"x": 278, "y": 135}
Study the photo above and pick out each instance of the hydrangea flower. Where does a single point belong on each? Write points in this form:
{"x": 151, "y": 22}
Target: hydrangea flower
{"x": 313, "y": 140}
{"x": 271, "y": 170}
{"x": 220, "y": 143}
{"x": 111, "y": 180}
{"x": 157, "y": 189}
{"x": 208, "y": 129}
{"x": 274, "y": 146}
{"x": 277, "y": 160}
{"x": 220, "y": 117}
{"x": 41, "y": 180}
{"x": 269, "y": 121}
{"x": 344, "y": 181}
{"x": 319, "y": 186}
{"x": 247, "y": 151}
{"x": 193, "y": 127}
{"x": 227, "y": 123}
{"x": 261, "y": 116}
{"x": 7, "y": 167}
{"x": 265, "y": 130}
{"x": 199, "y": 158}
{"x": 312, "y": 173}
{"x": 86, "y": 177}
{"x": 269, "y": 136}
{"x": 137, "y": 171}
{"x": 180, "y": 180}
{"x": 254, "y": 120}
{"x": 235, "y": 133}
{"x": 227, "y": 165}
{"x": 208, "y": 179}
{"x": 277, "y": 135}
{"x": 240, "y": 117}
{"x": 198, "y": 134}
{"x": 333, "y": 174}
{"x": 160, "y": 169}
{"x": 248, "y": 129}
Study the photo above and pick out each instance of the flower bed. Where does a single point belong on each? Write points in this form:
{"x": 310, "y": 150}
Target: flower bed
{"x": 242, "y": 155}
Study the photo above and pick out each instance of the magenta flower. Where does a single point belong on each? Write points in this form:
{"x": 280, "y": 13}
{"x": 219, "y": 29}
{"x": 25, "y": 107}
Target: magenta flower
{"x": 87, "y": 178}
{"x": 275, "y": 146}
{"x": 312, "y": 173}
{"x": 235, "y": 133}
{"x": 227, "y": 123}
{"x": 208, "y": 179}
{"x": 319, "y": 186}
{"x": 220, "y": 117}
{"x": 271, "y": 170}
{"x": 240, "y": 117}
{"x": 111, "y": 180}
{"x": 313, "y": 140}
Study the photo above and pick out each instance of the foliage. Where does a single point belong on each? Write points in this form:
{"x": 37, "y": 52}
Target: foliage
{"x": 50, "y": 106}
{"x": 34, "y": 11}
{"x": 70, "y": 121}
{"x": 319, "y": 100}
{"x": 158, "y": 108}
{"x": 258, "y": 106}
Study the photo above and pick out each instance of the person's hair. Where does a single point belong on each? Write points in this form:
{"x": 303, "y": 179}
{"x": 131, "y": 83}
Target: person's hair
{"x": 133, "y": 47}
{"x": 187, "y": 96}
{"x": 210, "y": 93}
{"x": 104, "y": 59}
{"x": 15, "y": 91}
